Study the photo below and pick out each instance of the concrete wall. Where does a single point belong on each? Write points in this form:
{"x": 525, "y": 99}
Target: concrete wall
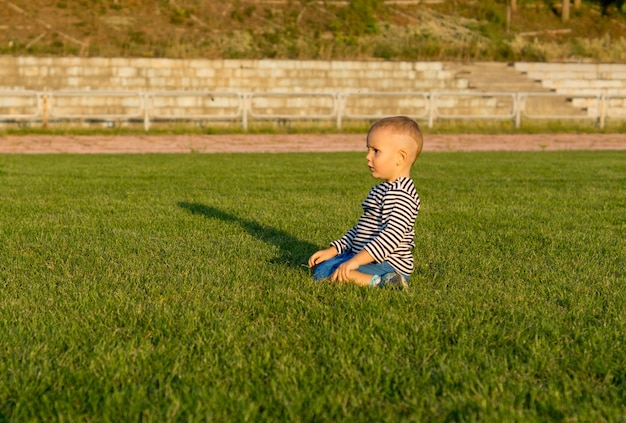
{"x": 41, "y": 74}
{"x": 231, "y": 76}
{"x": 363, "y": 80}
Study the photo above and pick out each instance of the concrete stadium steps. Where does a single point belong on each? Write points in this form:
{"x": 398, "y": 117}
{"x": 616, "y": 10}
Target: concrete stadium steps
{"x": 594, "y": 77}
{"x": 495, "y": 77}
{"x": 581, "y": 82}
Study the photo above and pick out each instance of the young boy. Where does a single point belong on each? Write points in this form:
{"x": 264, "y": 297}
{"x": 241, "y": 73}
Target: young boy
{"x": 377, "y": 251}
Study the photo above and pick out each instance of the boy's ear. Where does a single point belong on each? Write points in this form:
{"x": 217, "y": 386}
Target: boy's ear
{"x": 402, "y": 157}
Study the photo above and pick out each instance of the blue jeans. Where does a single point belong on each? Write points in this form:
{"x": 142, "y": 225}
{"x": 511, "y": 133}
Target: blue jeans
{"x": 326, "y": 268}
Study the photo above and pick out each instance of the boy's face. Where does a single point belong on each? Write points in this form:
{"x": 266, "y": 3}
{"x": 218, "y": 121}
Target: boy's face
{"x": 385, "y": 157}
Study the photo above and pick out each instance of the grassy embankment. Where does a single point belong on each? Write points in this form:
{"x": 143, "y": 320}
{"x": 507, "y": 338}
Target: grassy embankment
{"x": 362, "y": 29}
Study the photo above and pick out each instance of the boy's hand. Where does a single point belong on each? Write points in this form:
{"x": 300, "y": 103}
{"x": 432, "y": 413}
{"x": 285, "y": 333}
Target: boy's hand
{"x": 322, "y": 255}
{"x": 342, "y": 273}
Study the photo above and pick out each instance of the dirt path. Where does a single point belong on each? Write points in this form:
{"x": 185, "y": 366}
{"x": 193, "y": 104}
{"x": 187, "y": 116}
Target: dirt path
{"x": 44, "y": 144}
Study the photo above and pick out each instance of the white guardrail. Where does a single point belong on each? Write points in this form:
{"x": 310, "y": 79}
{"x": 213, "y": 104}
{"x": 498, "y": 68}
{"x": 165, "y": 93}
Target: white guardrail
{"x": 150, "y": 107}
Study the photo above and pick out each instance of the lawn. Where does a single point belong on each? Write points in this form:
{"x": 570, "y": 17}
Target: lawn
{"x": 173, "y": 288}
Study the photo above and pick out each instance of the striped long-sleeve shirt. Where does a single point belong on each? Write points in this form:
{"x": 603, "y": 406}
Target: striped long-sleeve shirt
{"x": 385, "y": 229}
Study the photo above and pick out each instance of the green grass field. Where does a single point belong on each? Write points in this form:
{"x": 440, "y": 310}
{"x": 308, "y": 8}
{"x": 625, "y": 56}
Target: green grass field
{"x": 173, "y": 288}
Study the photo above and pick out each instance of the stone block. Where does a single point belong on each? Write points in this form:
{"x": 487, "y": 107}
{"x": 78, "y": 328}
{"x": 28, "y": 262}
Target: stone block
{"x": 98, "y": 62}
{"x": 117, "y": 62}
{"x": 428, "y": 66}
{"x": 614, "y": 74}
{"x": 322, "y": 65}
{"x": 603, "y": 83}
{"x": 194, "y": 64}
{"x": 205, "y": 72}
{"x": 611, "y": 67}
{"x": 125, "y": 72}
{"x": 29, "y": 71}
{"x": 28, "y": 61}
{"x": 95, "y": 71}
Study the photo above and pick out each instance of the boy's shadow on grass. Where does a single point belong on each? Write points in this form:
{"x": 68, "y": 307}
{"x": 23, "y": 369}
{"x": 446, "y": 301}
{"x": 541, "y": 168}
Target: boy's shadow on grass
{"x": 292, "y": 251}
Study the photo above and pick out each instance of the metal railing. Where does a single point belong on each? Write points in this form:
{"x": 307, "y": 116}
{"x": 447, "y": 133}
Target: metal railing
{"x": 243, "y": 107}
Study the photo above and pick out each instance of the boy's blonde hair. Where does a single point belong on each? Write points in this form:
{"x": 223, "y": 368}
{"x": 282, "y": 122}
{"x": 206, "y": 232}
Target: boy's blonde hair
{"x": 402, "y": 125}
